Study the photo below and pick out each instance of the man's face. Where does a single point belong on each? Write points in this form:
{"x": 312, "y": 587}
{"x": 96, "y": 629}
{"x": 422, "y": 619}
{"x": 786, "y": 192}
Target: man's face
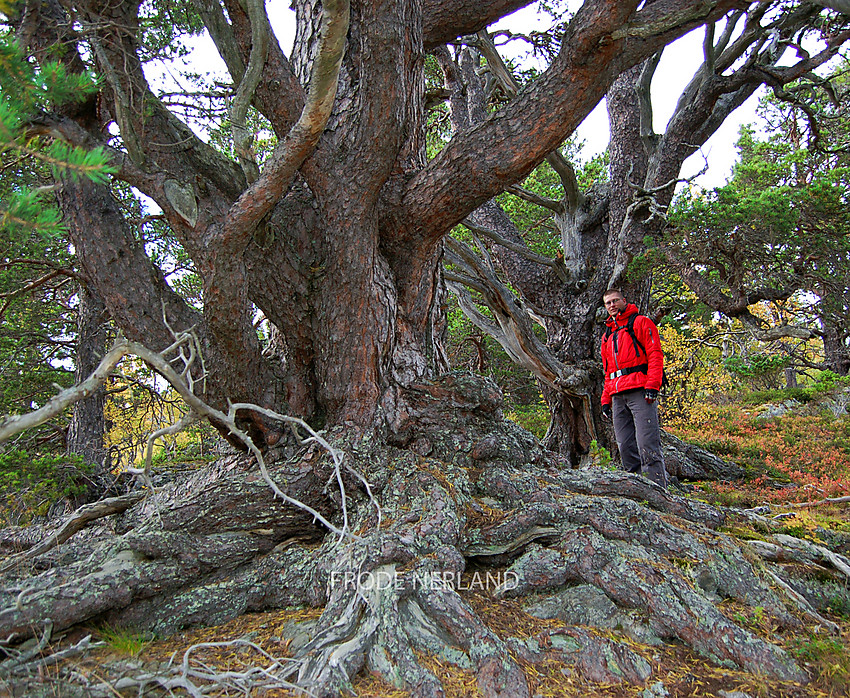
{"x": 614, "y": 303}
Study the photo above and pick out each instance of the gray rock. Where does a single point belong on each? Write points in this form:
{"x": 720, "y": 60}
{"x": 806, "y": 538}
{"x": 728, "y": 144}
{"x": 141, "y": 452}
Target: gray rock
{"x": 839, "y": 404}
{"x": 707, "y": 581}
{"x": 769, "y": 410}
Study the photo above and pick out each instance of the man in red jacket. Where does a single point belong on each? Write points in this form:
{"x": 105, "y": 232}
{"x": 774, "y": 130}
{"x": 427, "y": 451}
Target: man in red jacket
{"x": 634, "y": 365}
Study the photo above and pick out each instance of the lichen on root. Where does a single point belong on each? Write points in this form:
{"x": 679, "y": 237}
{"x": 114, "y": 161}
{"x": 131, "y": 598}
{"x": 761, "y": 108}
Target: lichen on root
{"x": 457, "y": 487}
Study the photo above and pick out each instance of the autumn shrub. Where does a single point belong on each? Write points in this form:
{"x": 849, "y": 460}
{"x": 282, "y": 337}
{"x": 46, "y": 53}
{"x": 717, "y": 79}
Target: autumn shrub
{"x": 29, "y": 484}
{"x": 137, "y": 407}
{"x": 792, "y": 458}
{"x": 838, "y": 604}
{"x": 801, "y": 525}
{"x": 695, "y": 374}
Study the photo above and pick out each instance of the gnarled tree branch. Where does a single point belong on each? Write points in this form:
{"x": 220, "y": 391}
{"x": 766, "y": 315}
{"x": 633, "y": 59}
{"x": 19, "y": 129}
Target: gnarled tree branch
{"x": 242, "y": 140}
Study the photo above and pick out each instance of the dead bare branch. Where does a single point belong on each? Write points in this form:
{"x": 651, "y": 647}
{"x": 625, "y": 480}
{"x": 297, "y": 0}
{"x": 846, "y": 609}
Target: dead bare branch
{"x": 512, "y": 327}
{"x": 180, "y": 381}
{"x": 513, "y": 247}
{"x": 15, "y": 424}
{"x": 76, "y": 522}
{"x": 804, "y": 605}
{"x": 646, "y": 201}
{"x": 532, "y": 198}
{"x": 198, "y": 679}
{"x": 820, "y": 502}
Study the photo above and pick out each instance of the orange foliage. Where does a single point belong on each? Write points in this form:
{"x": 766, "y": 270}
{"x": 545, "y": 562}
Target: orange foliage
{"x": 793, "y": 458}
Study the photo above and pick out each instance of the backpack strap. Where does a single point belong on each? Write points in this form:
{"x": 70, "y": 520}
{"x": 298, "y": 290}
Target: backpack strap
{"x": 638, "y": 345}
{"x": 630, "y": 328}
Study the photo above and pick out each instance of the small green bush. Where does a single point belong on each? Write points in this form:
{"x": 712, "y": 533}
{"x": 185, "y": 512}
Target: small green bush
{"x": 825, "y": 381}
{"x": 814, "y": 648}
{"x": 761, "y": 397}
{"x": 29, "y": 484}
{"x": 840, "y": 606}
{"x": 535, "y": 418}
{"x": 124, "y": 641}
{"x": 601, "y": 456}
{"x": 758, "y": 370}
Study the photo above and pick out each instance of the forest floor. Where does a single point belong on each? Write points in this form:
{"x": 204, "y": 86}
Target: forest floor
{"x": 795, "y": 457}
{"x": 677, "y": 671}
{"x": 792, "y": 452}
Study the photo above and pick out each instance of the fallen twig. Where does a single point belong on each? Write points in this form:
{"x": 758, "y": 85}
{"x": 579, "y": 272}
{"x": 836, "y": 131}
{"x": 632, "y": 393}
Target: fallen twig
{"x": 77, "y": 521}
{"x": 76, "y": 650}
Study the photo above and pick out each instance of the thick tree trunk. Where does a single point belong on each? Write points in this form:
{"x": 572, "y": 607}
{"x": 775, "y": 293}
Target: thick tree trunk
{"x": 836, "y": 351}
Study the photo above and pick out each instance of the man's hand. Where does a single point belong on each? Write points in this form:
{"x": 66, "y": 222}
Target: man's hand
{"x": 607, "y": 413}
{"x": 650, "y": 395}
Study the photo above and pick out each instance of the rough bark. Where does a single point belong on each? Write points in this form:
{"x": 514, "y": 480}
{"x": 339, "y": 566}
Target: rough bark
{"x": 836, "y": 350}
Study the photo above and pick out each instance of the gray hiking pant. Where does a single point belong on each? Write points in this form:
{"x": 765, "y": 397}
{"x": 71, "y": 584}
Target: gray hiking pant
{"x": 638, "y": 435}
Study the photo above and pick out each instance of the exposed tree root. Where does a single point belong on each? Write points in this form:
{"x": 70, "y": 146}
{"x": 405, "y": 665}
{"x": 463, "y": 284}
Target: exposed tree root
{"x": 216, "y": 544}
{"x": 688, "y": 462}
{"x": 787, "y": 548}
{"x": 76, "y": 522}
{"x": 598, "y": 658}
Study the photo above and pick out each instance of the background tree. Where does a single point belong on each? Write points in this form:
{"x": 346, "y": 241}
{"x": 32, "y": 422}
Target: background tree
{"x": 36, "y": 268}
{"x": 778, "y": 230}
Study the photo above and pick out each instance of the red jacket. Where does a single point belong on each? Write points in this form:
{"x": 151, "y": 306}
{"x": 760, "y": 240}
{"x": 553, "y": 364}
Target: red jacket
{"x": 619, "y": 352}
